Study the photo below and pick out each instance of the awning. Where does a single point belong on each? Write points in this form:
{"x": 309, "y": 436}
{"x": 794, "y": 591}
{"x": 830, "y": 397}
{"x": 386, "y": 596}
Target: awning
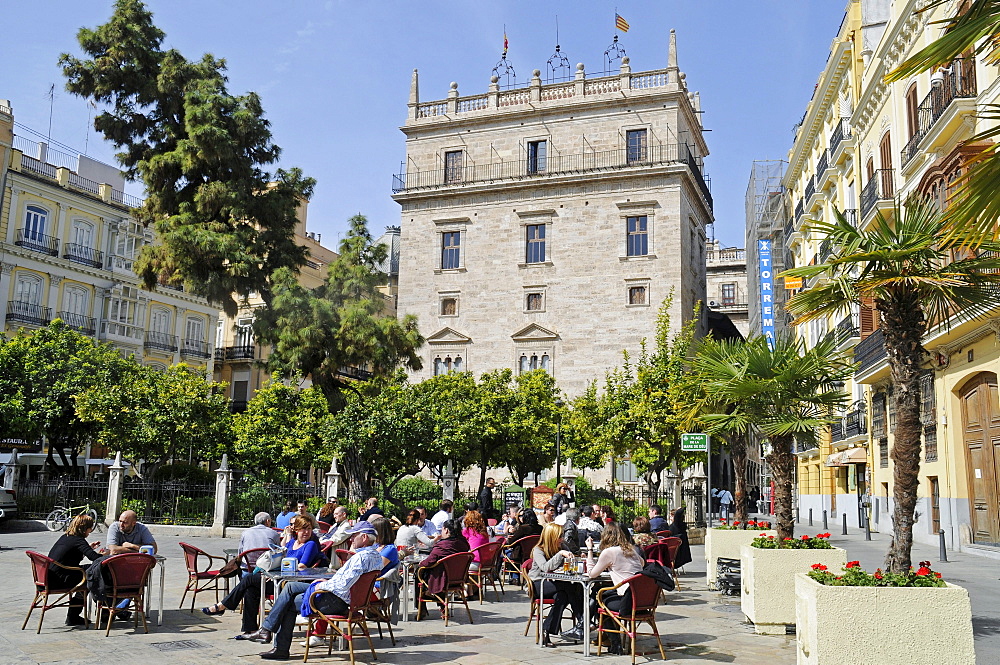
{"x": 834, "y": 460}
{"x": 849, "y": 456}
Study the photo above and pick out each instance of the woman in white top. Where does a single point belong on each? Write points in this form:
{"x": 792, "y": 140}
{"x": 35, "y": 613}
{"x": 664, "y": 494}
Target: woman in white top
{"x": 412, "y": 533}
{"x": 623, "y": 560}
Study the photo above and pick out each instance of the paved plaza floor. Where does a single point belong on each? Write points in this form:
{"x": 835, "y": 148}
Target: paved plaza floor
{"x": 695, "y": 624}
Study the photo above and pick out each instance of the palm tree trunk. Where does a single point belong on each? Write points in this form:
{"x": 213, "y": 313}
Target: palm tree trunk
{"x": 903, "y": 327}
{"x": 782, "y": 463}
{"x": 738, "y": 451}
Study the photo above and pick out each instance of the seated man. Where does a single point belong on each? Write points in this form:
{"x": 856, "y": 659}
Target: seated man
{"x": 443, "y": 513}
{"x": 259, "y": 536}
{"x": 338, "y": 530}
{"x": 588, "y": 526}
{"x": 281, "y": 621}
{"x": 656, "y": 521}
{"x": 429, "y": 527}
{"x": 371, "y": 509}
{"x": 128, "y": 534}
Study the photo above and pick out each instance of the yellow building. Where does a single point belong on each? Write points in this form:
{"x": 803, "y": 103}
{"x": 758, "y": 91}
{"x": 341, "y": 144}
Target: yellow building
{"x": 67, "y": 243}
{"x": 864, "y": 143}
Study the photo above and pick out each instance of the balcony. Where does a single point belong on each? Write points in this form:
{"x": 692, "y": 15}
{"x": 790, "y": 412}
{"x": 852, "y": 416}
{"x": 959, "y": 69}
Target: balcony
{"x": 880, "y": 187}
{"x": 26, "y": 312}
{"x": 799, "y": 211}
{"x": 240, "y": 352}
{"x": 841, "y": 134}
{"x": 847, "y": 328}
{"x": 870, "y": 352}
{"x": 660, "y": 154}
{"x": 121, "y": 333}
{"x": 810, "y": 191}
{"x": 195, "y": 348}
{"x": 853, "y": 423}
{"x": 78, "y": 322}
{"x": 935, "y": 104}
{"x": 87, "y": 256}
{"x": 806, "y": 446}
{"x": 160, "y": 341}
{"x": 851, "y": 215}
{"x": 823, "y": 165}
{"x": 37, "y": 242}
{"x": 825, "y": 250}
{"x": 358, "y": 373}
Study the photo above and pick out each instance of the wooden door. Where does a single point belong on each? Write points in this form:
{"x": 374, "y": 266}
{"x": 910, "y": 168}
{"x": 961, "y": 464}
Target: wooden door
{"x": 885, "y": 159}
{"x": 981, "y": 433}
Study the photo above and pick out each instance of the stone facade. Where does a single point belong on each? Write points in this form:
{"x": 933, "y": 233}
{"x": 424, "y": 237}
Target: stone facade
{"x": 544, "y": 226}
{"x": 726, "y": 283}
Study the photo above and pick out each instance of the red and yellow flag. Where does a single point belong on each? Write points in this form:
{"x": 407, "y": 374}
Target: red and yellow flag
{"x": 505, "y": 42}
{"x": 621, "y": 23}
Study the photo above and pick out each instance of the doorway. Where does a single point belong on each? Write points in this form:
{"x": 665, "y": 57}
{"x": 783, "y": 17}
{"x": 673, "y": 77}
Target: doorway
{"x": 981, "y": 434}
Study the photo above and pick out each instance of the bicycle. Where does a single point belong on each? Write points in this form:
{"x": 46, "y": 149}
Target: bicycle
{"x": 61, "y": 516}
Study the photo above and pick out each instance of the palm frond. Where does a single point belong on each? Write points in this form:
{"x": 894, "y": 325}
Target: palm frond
{"x": 964, "y": 32}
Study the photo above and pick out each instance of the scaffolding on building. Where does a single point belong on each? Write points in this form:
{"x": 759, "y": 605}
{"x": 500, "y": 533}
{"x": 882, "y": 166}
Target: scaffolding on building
{"x": 767, "y": 218}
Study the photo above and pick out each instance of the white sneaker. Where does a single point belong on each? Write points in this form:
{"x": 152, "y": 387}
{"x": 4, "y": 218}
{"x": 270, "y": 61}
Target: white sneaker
{"x": 301, "y": 620}
{"x": 314, "y": 641}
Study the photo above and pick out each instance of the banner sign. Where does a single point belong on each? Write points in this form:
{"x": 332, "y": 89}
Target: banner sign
{"x": 766, "y": 291}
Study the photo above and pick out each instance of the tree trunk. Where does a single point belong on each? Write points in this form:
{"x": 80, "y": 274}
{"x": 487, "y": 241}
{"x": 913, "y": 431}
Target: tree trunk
{"x": 356, "y": 475}
{"x": 782, "y": 463}
{"x": 483, "y": 461}
{"x": 903, "y": 326}
{"x": 738, "y": 451}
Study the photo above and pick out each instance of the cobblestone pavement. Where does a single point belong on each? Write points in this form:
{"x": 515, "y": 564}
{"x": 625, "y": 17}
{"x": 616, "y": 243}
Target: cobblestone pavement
{"x": 695, "y": 624}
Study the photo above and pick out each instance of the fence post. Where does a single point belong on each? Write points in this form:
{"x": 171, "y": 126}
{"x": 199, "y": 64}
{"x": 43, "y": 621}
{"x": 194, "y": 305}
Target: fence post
{"x": 448, "y": 492}
{"x": 116, "y": 476}
{"x": 332, "y": 481}
{"x": 223, "y": 479}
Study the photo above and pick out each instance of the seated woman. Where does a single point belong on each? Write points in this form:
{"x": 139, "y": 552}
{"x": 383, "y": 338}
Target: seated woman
{"x": 298, "y": 538}
{"x": 451, "y": 542}
{"x": 679, "y": 529}
{"x": 412, "y": 534}
{"x": 642, "y": 535}
{"x": 325, "y": 513}
{"x": 475, "y": 533}
{"x": 623, "y": 560}
{"x": 549, "y": 513}
{"x": 546, "y": 557}
{"x": 529, "y": 526}
{"x": 70, "y": 550}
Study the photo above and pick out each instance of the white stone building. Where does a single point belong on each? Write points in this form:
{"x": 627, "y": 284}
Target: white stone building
{"x": 543, "y": 226}
{"x": 726, "y": 283}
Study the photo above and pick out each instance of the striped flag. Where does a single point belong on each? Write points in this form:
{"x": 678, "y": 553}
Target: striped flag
{"x": 621, "y": 23}
{"x": 505, "y": 42}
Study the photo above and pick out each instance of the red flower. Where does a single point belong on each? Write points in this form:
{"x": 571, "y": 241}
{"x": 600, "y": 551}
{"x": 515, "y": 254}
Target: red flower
{"x": 772, "y": 537}
{"x": 764, "y": 534}
{"x": 789, "y": 539}
{"x": 751, "y": 523}
{"x": 878, "y": 574}
{"x": 818, "y": 566}
{"x": 924, "y": 570}
{"x": 937, "y": 575}
{"x": 822, "y": 535}
{"x": 736, "y": 523}
{"x": 803, "y": 538}
{"x": 853, "y": 564}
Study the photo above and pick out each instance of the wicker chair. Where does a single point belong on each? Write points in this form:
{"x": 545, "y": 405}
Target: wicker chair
{"x": 456, "y": 570}
{"x": 355, "y": 617}
{"x": 40, "y": 568}
{"x": 200, "y": 581}
{"x": 626, "y": 620}
{"x": 129, "y": 576}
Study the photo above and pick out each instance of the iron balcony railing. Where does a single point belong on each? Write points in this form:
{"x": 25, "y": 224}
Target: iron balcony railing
{"x": 240, "y": 352}
{"x": 87, "y": 256}
{"x": 810, "y": 188}
{"x": 161, "y": 341}
{"x": 804, "y": 446}
{"x": 848, "y": 326}
{"x": 824, "y": 163}
{"x": 825, "y": 250}
{"x": 789, "y": 229}
{"x": 852, "y": 423}
{"x": 26, "y": 312}
{"x": 85, "y": 324}
{"x": 519, "y": 169}
{"x": 195, "y": 348}
{"x": 38, "y": 242}
{"x": 799, "y": 211}
{"x": 851, "y": 215}
{"x": 870, "y": 352}
{"x": 841, "y": 131}
{"x": 934, "y": 105}
{"x": 880, "y": 187}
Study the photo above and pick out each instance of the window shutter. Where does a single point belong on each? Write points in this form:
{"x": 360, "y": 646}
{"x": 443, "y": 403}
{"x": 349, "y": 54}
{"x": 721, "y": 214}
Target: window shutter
{"x": 867, "y": 317}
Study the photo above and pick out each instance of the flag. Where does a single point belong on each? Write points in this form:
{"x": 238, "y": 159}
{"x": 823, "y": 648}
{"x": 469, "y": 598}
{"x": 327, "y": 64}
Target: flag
{"x": 505, "y": 42}
{"x": 621, "y": 23}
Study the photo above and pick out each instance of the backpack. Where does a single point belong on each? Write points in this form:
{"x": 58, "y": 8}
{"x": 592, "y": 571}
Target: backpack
{"x": 661, "y": 575}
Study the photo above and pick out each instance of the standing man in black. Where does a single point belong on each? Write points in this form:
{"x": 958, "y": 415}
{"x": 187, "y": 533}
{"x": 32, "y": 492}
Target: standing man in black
{"x": 485, "y": 499}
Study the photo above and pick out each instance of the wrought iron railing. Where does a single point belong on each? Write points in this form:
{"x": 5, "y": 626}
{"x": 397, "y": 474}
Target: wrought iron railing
{"x": 848, "y": 326}
{"x": 195, "y": 348}
{"x": 870, "y": 351}
{"x": 240, "y": 352}
{"x": 85, "y": 324}
{"x": 855, "y": 421}
{"x": 36, "y": 498}
{"x": 823, "y": 164}
{"x": 810, "y": 188}
{"x": 799, "y": 211}
{"x": 880, "y": 187}
{"x": 851, "y": 216}
{"x": 87, "y": 256}
{"x": 825, "y": 249}
{"x": 26, "y": 312}
{"x": 181, "y": 503}
{"x": 161, "y": 341}
{"x": 841, "y": 131}
{"x": 38, "y": 242}
{"x": 934, "y": 105}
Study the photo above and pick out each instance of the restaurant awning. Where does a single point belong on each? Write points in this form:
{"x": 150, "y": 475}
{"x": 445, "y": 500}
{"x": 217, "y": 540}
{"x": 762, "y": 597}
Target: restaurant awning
{"x": 834, "y": 460}
{"x": 849, "y": 456}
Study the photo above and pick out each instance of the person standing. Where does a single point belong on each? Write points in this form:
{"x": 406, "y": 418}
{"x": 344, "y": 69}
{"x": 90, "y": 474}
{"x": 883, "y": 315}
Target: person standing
{"x": 485, "y": 499}
{"x": 726, "y": 503}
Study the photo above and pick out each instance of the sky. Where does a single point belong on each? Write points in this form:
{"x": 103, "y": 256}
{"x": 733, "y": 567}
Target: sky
{"x": 334, "y": 76}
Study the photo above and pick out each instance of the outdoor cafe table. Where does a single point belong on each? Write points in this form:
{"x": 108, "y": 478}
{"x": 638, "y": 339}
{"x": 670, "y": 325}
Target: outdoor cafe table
{"x": 161, "y": 564}
{"x": 409, "y": 563}
{"x": 577, "y": 578}
{"x": 280, "y": 579}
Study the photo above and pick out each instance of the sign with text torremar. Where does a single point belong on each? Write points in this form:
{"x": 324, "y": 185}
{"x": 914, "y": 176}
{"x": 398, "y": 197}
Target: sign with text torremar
{"x": 694, "y": 442}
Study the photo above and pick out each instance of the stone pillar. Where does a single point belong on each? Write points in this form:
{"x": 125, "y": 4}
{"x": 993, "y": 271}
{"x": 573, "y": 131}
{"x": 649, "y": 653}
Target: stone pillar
{"x": 10, "y": 473}
{"x": 453, "y": 99}
{"x": 535, "y": 86}
{"x": 223, "y": 479}
{"x": 448, "y": 491}
{"x": 414, "y": 102}
{"x": 569, "y": 477}
{"x": 579, "y": 80}
{"x": 116, "y": 477}
{"x": 625, "y": 74}
{"x": 493, "y": 100}
{"x": 332, "y": 481}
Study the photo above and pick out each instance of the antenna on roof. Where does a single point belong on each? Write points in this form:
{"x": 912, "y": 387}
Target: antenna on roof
{"x": 52, "y": 96}
{"x": 556, "y": 65}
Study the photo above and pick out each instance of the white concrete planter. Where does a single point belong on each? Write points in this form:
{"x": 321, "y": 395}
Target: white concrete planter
{"x": 726, "y": 544}
{"x": 846, "y": 625}
{"x": 768, "y": 598}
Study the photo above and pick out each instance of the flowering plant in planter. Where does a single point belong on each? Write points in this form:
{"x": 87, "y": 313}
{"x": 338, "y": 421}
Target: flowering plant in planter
{"x": 817, "y": 542}
{"x": 738, "y": 525}
{"x": 855, "y": 575}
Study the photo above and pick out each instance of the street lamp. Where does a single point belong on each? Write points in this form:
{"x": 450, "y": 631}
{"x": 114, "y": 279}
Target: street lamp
{"x": 559, "y": 405}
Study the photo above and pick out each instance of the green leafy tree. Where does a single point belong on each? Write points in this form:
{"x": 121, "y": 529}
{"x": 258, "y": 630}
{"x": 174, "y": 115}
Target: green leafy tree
{"x": 340, "y": 324}
{"x": 156, "y": 416}
{"x": 281, "y": 431}
{"x": 531, "y": 443}
{"x": 455, "y": 401}
{"x": 905, "y": 267}
{"x": 224, "y": 222}
{"x": 40, "y": 375}
{"x": 787, "y": 393}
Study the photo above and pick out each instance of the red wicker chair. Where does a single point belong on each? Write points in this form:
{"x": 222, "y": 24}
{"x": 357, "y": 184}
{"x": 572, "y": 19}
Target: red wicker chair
{"x": 356, "y": 616}
{"x": 456, "y": 570}
{"x": 129, "y": 575}
{"x": 40, "y": 566}
{"x": 522, "y": 548}
{"x": 645, "y": 595}
{"x": 201, "y": 580}
{"x": 673, "y": 544}
{"x": 489, "y": 560}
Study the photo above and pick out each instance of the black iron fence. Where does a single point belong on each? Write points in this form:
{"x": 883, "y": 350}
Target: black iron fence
{"x": 181, "y": 503}
{"x": 248, "y": 497}
{"x": 37, "y": 498}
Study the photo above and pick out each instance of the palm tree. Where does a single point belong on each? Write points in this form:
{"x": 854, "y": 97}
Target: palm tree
{"x": 904, "y": 265}
{"x": 787, "y": 393}
{"x": 976, "y": 207}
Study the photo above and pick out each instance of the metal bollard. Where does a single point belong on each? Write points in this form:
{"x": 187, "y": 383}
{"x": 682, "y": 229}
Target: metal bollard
{"x": 825, "y": 526}
{"x": 810, "y": 517}
{"x": 798, "y": 518}
{"x": 943, "y": 555}
{"x": 868, "y": 531}
{"x": 843, "y": 520}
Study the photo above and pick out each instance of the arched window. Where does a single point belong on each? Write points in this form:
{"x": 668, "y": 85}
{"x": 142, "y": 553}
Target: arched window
{"x": 447, "y": 363}
{"x": 35, "y": 220}
{"x": 28, "y": 288}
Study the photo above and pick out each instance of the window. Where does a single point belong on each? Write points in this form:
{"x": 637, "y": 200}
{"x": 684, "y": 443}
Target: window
{"x": 452, "y": 166}
{"x": 729, "y": 294}
{"x": 83, "y": 234}
{"x": 534, "y": 302}
{"x": 75, "y": 300}
{"x": 244, "y": 332}
{"x": 536, "y": 156}
{"x": 930, "y": 443}
{"x": 637, "y": 236}
{"x": 28, "y": 288}
{"x": 194, "y": 329}
{"x": 935, "y": 488}
{"x": 451, "y": 245}
{"x": 535, "y": 244}
{"x": 159, "y": 320}
{"x": 878, "y": 415}
{"x": 449, "y": 307}
{"x": 883, "y": 452}
{"x": 447, "y": 363}
{"x": 637, "y": 295}
{"x": 635, "y": 143}
{"x": 625, "y": 472}
{"x": 912, "y": 119}
{"x": 927, "y": 406}
{"x": 34, "y": 223}
{"x": 532, "y": 360}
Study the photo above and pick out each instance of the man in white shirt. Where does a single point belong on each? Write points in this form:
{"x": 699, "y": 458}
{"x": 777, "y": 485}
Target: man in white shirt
{"x": 338, "y": 531}
{"x": 726, "y": 503}
{"x": 429, "y": 527}
{"x": 443, "y": 514}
